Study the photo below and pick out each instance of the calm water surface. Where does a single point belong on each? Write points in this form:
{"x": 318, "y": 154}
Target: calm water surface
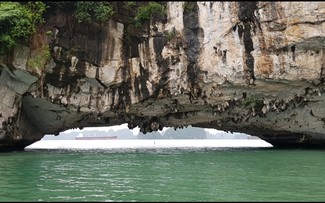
{"x": 164, "y": 175}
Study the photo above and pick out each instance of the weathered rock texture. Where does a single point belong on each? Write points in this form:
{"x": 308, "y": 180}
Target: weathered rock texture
{"x": 251, "y": 67}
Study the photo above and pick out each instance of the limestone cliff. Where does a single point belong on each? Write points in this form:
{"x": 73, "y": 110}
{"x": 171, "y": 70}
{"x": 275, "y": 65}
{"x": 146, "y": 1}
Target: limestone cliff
{"x": 251, "y": 67}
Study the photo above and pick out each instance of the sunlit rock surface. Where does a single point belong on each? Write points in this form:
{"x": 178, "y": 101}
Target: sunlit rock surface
{"x": 251, "y": 67}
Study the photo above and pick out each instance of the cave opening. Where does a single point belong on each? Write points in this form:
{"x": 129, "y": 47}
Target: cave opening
{"x": 122, "y": 138}
{"x": 123, "y": 132}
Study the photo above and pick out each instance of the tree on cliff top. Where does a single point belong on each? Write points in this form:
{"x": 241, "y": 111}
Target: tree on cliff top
{"x": 87, "y": 11}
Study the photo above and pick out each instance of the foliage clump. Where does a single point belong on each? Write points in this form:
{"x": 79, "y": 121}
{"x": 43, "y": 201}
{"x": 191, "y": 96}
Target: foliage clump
{"x": 172, "y": 34}
{"x": 18, "y": 21}
{"x": 87, "y": 11}
{"x": 250, "y": 102}
{"x": 146, "y": 12}
{"x": 129, "y": 4}
{"x": 188, "y": 7}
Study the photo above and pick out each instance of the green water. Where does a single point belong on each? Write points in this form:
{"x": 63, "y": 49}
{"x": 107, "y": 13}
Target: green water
{"x": 164, "y": 175}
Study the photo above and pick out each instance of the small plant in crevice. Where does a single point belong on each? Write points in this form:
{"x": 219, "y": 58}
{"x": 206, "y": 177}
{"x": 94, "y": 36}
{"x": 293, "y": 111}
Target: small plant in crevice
{"x": 73, "y": 51}
{"x": 169, "y": 35}
{"x": 250, "y": 102}
{"x": 41, "y": 59}
{"x": 38, "y": 63}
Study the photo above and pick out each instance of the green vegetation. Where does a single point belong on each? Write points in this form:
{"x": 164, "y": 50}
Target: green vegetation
{"x": 84, "y": 11}
{"x": 188, "y": 7}
{"x": 250, "y": 102}
{"x": 87, "y": 11}
{"x": 40, "y": 60}
{"x": 170, "y": 34}
{"x": 145, "y": 13}
{"x": 129, "y": 4}
{"x": 18, "y": 21}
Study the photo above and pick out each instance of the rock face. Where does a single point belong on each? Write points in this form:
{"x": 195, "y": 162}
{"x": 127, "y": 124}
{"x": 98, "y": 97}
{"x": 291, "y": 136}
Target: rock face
{"x": 251, "y": 67}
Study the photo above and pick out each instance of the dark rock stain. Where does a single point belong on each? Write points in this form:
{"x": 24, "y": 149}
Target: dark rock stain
{"x": 191, "y": 31}
{"x": 158, "y": 44}
{"x": 59, "y": 81}
{"x": 246, "y": 15}
{"x": 293, "y": 48}
{"x": 164, "y": 72}
{"x": 97, "y": 78}
{"x": 141, "y": 80}
{"x": 246, "y": 10}
{"x": 83, "y": 40}
{"x": 322, "y": 74}
{"x": 134, "y": 47}
{"x": 125, "y": 73}
{"x": 224, "y": 56}
{"x": 240, "y": 30}
{"x": 163, "y": 67}
{"x": 113, "y": 91}
{"x": 112, "y": 47}
{"x": 124, "y": 96}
